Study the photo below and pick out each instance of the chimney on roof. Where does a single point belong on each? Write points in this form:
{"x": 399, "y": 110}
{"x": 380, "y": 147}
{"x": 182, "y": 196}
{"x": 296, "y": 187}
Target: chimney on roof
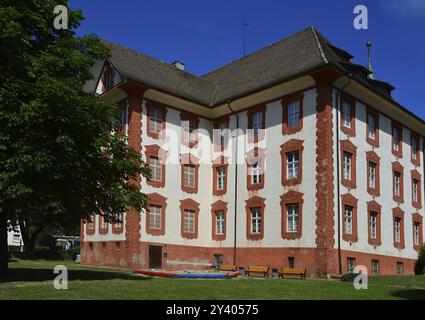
{"x": 178, "y": 65}
{"x": 369, "y": 64}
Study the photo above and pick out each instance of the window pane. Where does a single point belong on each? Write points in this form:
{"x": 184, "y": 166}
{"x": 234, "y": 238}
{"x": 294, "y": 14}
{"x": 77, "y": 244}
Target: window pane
{"x": 155, "y": 217}
{"x": 293, "y": 114}
{"x": 255, "y": 220}
{"x": 155, "y": 121}
{"x": 292, "y": 218}
{"x": 189, "y": 221}
{"x": 346, "y": 114}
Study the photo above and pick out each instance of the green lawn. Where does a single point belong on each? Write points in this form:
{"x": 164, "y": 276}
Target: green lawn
{"x": 34, "y": 280}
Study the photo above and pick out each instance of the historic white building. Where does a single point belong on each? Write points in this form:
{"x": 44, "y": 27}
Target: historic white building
{"x": 290, "y": 156}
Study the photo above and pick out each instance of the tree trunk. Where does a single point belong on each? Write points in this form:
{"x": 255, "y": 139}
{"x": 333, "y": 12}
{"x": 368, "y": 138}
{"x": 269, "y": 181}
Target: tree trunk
{"x": 4, "y": 252}
{"x": 29, "y": 240}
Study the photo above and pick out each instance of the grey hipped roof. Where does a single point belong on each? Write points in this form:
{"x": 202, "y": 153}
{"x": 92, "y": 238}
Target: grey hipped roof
{"x": 295, "y": 55}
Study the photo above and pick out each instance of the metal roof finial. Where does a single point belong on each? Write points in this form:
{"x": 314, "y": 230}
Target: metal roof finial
{"x": 369, "y": 66}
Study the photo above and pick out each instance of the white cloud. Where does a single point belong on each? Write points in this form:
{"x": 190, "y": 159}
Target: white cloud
{"x": 405, "y": 8}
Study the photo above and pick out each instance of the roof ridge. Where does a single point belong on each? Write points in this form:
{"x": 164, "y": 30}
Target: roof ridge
{"x": 255, "y": 52}
{"x": 157, "y": 60}
{"x": 319, "y": 45}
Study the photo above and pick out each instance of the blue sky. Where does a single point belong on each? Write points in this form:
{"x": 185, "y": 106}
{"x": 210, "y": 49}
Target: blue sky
{"x": 207, "y": 34}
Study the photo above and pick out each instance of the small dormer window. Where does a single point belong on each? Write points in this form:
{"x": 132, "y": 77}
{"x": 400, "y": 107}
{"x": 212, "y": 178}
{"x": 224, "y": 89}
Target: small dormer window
{"x": 109, "y": 80}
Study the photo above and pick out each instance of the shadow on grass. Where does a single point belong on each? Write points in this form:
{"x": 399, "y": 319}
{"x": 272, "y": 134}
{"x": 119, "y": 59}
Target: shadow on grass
{"x": 39, "y": 275}
{"x": 411, "y": 294}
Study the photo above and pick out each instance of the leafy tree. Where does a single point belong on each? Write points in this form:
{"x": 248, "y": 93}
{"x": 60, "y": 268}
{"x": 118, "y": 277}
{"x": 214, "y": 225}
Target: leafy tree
{"x": 59, "y": 162}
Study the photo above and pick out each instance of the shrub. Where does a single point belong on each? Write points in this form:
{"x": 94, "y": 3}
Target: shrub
{"x": 420, "y": 263}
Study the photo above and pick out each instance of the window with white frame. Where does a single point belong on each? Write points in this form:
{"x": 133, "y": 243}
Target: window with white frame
{"x": 156, "y": 168}
{"x": 155, "y": 123}
{"x": 373, "y": 224}
{"x": 257, "y": 122}
{"x": 221, "y": 176}
{"x": 372, "y": 175}
{"x": 292, "y": 217}
{"x": 292, "y": 164}
{"x": 416, "y": 230}
{"x": 219, "y": 223}
{"x": 189, "y": 176}
{"x": 155, "y": 217}
{"x": 189, "y": 221}
{"x": 255, "y": 220}
{"x": 415, "y": 194}
{"x": 294, "y": 109}
{"x": 351, "y": 265}
{"x": 397, "y": 229}
{"x": 348, "y": 219}
{"x": 346, "y": 114}
{"x": 255, "y": 172}
{"x": 371, "y": 126}
{"x": 397, "y": 179}
{"x": 347, "y": 165}
{"x": 396, "y": 138}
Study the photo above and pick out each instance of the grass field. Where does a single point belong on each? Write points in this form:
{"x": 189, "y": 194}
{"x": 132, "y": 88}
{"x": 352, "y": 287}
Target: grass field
{"x": 34, "y": 280}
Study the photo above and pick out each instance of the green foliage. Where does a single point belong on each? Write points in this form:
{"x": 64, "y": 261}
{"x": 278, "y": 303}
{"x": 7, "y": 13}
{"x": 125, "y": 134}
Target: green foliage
{"x": 58, "y": 161}
{"x": 420, "y": 263}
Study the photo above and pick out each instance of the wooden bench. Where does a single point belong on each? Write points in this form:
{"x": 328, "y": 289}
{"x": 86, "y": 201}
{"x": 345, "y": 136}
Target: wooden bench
{"x": 264, "y": 271}
{"x": 228, "y": 267}
{"x": 293, "y": 273}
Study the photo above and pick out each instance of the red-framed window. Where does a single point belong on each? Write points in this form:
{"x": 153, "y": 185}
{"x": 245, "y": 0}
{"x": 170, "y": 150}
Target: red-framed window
{"x": 221, "y": 133}
{"x": 103, "y": 225}
{"x": 255, "y": 218}
{"x": 417, "y": 229}
{"x": 292, "y": 117}
{"x": 256, "y": 123}
{"x": 349, "y": 217}
{"x": 348, "y": 115}
{"x": 374, "y": 223}
{"x": 189, "y": 210}
{"x": 292, "y": 155}
{"x": 416, "y": 187}
{"x": 220, "y": 169}
{"x": 397, "y": 140}
{"x": 292, "y": 211}
{"x": 372, "y": 127}
{"x": 156, "y": 115}
{"x": 373, "y": 173}
{"x": 156, "y": 214}
{"x": 256, "y": 161}
{"x": 219, "y": 220}
{"x": 91, "y": 225}
{"x": 189, "y": 173}
{"x": 415, "y": 149}
{"x": 348, "y": 164}
{"x": 398, "y": 228}
{"x": 189, "y": 129}
{"x": 156, "y": 159}
{"x": 398, "y": 182}
{"x": 118, "y": 225}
